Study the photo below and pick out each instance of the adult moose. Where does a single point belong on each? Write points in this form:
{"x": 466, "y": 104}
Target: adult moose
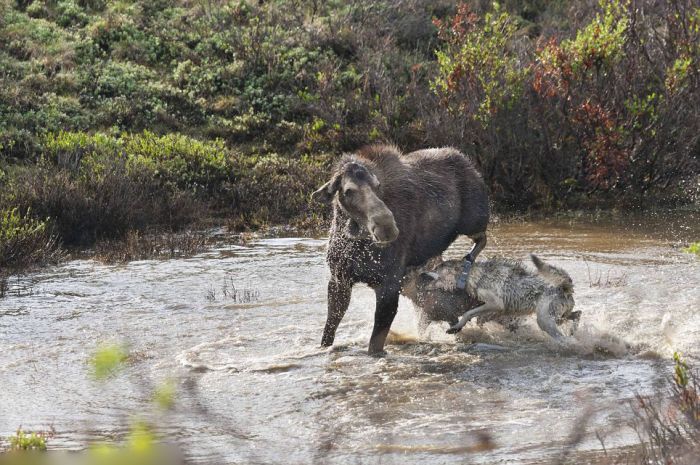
{"x": 391, "y": 211}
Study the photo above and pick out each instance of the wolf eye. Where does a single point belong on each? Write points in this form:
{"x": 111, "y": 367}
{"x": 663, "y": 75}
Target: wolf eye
{"x": 349, "y": 193}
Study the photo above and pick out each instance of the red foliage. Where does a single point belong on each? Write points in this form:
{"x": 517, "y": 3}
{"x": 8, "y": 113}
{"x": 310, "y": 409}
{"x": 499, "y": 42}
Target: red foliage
{"x": 460, "y": 24}
{"x": 552, "y": 78}
{"x": 607, "y": 159}
{"x": 594, "y": 123}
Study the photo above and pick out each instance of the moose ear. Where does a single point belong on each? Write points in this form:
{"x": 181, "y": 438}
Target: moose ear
{"x": 327, "y": 191}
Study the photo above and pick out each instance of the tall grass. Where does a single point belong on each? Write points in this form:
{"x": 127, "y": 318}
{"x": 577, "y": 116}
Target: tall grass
{"x": 669, "y": 429}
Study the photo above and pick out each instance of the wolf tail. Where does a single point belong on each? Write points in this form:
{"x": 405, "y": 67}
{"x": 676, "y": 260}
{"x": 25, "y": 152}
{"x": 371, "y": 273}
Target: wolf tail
{"x": 553, "y": 274}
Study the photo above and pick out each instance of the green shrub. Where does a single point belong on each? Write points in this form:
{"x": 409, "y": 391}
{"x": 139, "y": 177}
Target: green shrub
{"x": 24, "y": 441}
{"x": 96, "y": 186}
{"x": 173, "y": 161}
{"x": 479, "y": 73}
{"x": 178, "y": 160}
{"x": 70, "y": 14}
{"x": 25, "y": 37}
{"x": 128, "y": 95}
{"x": 693, "y": 248}
{"x": 107, "y": 202}
{"x": 24, "y": 240}
{"x": 79, "y": 150}
{"x": 273, "y": 189}
{"x": 601, "y": 42}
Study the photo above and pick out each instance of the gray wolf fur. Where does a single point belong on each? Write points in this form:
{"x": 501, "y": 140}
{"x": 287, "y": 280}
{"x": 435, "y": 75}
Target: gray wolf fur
{"x": 497, "y": 289}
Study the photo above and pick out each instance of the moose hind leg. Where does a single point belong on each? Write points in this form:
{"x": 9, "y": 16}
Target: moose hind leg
{"x": 338, "y": 300}
{"x": 479, "y": 244}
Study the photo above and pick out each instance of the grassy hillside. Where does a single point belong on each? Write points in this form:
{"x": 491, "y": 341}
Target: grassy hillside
{"x": 125, "y": 115}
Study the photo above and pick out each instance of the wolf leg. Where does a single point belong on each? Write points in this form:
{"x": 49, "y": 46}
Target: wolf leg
{"x": 423, "y": 321}
{"x": 468, "y": 316}
{"x": 546, "y": 321}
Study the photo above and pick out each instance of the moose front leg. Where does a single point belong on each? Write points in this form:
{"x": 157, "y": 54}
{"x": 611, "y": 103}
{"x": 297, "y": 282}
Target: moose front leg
{"x": 387, "y": 305}
{"x": 338, "y": 300}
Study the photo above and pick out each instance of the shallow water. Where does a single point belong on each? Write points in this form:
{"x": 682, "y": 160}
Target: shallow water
{"x": 254, "y": 387}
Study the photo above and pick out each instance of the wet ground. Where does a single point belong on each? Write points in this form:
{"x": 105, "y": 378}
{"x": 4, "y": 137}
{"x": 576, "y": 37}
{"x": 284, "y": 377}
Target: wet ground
{"x": 237, "y": 329}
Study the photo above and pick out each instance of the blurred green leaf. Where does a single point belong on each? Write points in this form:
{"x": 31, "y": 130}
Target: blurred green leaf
{"x": 107, "y": 360}
{"x": 164, "y": 395}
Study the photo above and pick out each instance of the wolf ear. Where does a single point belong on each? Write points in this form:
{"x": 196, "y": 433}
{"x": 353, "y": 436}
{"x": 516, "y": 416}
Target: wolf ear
{"x": 427, "y": 277}
{"x": 433, "y": 262}
{"x": 538, "y": 263}
{"x": 373, "y": 181}
{"x": 327, "y": 191}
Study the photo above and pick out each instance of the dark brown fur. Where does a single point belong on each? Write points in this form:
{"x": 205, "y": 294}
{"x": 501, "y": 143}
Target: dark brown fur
{"x": 434, "y": 195}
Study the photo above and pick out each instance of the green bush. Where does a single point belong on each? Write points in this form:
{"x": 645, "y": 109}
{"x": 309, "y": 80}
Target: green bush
{"x": 28, "y": 441}
{"x": 173, "y": 161}
{"x": 562, "y": 104}
{"x": 95, "y": 186}
{"x": 105, "y": 202}
{"x": 80, "y": 151}
{"x": 178, "y": 160}
{"x": 479, "y": 73}
{"x": 273, "y": 189}
{"x": 693, "y": 248}
{"x": 70, "y": 14}
{"x": 129, "y": 96}
{"x": 24, "y": 240}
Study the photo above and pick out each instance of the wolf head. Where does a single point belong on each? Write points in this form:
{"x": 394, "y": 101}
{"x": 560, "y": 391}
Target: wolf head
{"x": 562, "y": 304}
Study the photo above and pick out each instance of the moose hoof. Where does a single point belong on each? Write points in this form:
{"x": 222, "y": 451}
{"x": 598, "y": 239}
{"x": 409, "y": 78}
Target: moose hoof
{"x": 379, "y": 354}
{"x": 453, "y": 330}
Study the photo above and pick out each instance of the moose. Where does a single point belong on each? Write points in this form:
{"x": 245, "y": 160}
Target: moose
{"x": 392, "y": 211}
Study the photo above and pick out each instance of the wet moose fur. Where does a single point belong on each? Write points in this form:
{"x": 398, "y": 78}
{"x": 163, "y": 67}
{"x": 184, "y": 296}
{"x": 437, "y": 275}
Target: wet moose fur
{"x": 391, "y": 211}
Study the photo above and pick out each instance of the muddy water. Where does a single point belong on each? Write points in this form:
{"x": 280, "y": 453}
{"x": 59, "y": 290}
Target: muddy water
{"x": 254, "y": 387}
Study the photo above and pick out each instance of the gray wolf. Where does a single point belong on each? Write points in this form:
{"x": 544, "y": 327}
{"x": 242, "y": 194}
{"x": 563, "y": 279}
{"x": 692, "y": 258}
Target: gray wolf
{"x": 497, "y": 289}
{"x": 392, "y": 211}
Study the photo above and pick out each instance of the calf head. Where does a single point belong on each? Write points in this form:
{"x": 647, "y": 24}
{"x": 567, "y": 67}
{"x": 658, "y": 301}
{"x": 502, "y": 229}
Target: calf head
{"x": 441, "y": 276}
{"x": 358, "y": 193}
{"x": 421, "y": 285}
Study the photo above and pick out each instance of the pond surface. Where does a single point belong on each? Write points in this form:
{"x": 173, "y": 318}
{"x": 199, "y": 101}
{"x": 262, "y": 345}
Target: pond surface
{"x": 237, "y": 329}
